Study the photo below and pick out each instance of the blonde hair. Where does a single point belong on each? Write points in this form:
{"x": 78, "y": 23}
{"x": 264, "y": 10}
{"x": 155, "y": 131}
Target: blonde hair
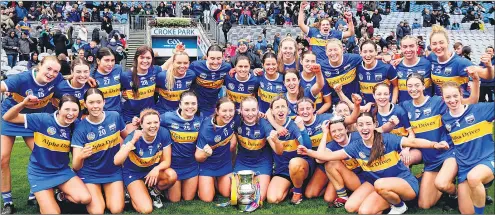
{"x": 45, "y": 59}
{"x": 334, "y": 41}
{"x": 147, "y": 112}
{"x": 409, "y": 37}
{"x": 451, "y": 84}
{"x": 170, "y": 79}
{"x": 281, "y": 65}
{"x": 438, "y": 29}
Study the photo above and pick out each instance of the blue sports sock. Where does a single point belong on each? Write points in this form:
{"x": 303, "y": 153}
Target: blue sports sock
{"x": 342, "y": 193}
{"x": 297, "y": 190}
{"x": 31, "y": 195}
{"x": 479, "y": 210}
{"x": 401, "y": 203}
{"x": 7, "y": 197}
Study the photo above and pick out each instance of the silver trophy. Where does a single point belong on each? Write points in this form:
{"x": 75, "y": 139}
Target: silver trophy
{"x": 246, "y": 189}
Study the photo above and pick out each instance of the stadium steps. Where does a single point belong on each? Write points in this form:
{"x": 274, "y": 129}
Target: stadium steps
{"x": 136, "y": 39}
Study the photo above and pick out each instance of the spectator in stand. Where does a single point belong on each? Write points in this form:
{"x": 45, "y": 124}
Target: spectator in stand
{"x": 458, "y": 48}
{"x": 59, "y": 17}
{"x": 475, "y": 25}
{"x": 11, "y": 47}
{"x": 260, "y": 44}
{"x": 406, "y": 29}
{"x": 64, "y": 64}
{"x": 243, "y": 50}
{"x": 148, "y": 9}
{"x": 90, "y": 49}
{"x": 229, "y": 50}
{"x": 466, "y": 52}
{"x": 276, "y": 42}
{"x": 95, "y": 15}
{"x": 160, "y": 10}
{"x": 24, "y": 49}
{"x": 61, "y": 42}
{"x": 77, "y": 45}
{"x": 399, "y": 31}
{"x": 246, "y": 19}
{"x": 226, "y": 26}
{"x": 8, "y": 20}
{"x": 85, "y": 15}
{"x": 20, "y": 12}
{"x": 74, "y": 16}
{"x": 33, "y": 61}
{"x": 427, "y": 19}
{"x": 106, "y": 24}
{"x": 33, "y": 14}
{"x": 376, "y": 18}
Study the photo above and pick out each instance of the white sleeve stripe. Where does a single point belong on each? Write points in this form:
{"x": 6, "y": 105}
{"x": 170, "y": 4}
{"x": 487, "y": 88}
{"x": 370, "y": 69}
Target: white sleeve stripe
{"x": 76, "y": 146}
{"x": 25, "y": 121}
{"x": 401, "y": 141}
{"x": 347, "y": 154}
{"x": 5, "y": 85}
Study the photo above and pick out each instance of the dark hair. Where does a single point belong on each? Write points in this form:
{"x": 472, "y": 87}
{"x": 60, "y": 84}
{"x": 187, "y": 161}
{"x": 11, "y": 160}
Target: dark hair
{"x": 416, "y": 75}
{"x": 268, "y": 55}
{"x": 378, "y": 149}
{"x": 188, "y": 93}
{"x": 69, "y": 98}
{"x": 135, "y": 79}
{"x": 78, "y": 61}
{"x": 303, "y": 55}
{"x": 368, "y": 42}
{"x": 242, "y": 57}
{"x": 305, "y": 99}
{"x": 214, "y": 48}
{"x": 102, "y": 52}
{"x": 221, "y": 101}
{"x": 92, "y": 91}
{"x": 300, "y": 93}
{"x": 276, "y": 98}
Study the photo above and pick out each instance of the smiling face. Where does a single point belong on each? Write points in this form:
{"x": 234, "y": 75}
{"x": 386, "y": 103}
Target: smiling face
{"x": 334, "y": 52}
{"x": 291, "y": 82}
{"x": 214, "y": 60}
{"x": 365, "y": 127}
{"x": 249, "y": 111}
{"x": 382, "y": 96}
{"x": 150, "y": 124}
{"x": 94, "y": 103}
{"x": 242, "y": 68}
{"x": 225, "y": 112}
{"x": 270, "y": 66}
{"x": 342, "y": 110}
{"x": 338, "y": 132}
{"x": 189, "y": 106}
{"x": 280, "y": 109}
{"x": 307, "y": 61}
{"x": 452, "y": 97}
{"x": 48, "y": 71}
{"x": 325, "y": 26}
{"x": 368, "y": 53}
{"x": 181, "y": 64}
{"x": 288, "y": 48}
{"x": 80, "y": 73}
{"x": 415, "y": 87}
{"x": 408, "y": 47}
{"x": 68, "y": 112}
{"x": 144, "y": 61}
{"x": 439, "y": 45}
{"x": 106, "y": 63}
{"x": 306, "y": 111}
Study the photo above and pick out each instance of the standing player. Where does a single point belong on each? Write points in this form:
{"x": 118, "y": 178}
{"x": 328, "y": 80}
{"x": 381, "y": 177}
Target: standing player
{"x": 107, "y": 75}
{"x": 271, "y": 83}
{"x": 287, "y": 57}
{"x": 244, "y": 84}
{"x": 308, "y": 79}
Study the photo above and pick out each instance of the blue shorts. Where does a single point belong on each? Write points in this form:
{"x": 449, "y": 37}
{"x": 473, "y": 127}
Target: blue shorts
{"x": 13, "y": 129}
{"x": 264, "y": 168}
{"x": 40, "y": 181}
{"x": 436, "y": 166}
{"x": 464, "y": 170}
{"x": 320, "y": 166}
{"x": 102, "y": 178}
{"x": 215, "y": 171}
{"x": 285, "y": 171}
{"x": 130, "y": 176}
{"x": 185, "y": 171}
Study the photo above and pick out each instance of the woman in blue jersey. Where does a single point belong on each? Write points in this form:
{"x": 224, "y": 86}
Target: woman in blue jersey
{"x": 470, "y": 127}
{"x": 314, "y": 125}
{"x": 253, "y": 152}
{"x": 448, "y": 66}
{"x": 308, "y": 79}
{"x": 210, "y": 75}
{"x": 214, "y": 147}
{"x": 340, "y": 68}
{"x": 295, "y": 92}
{"x": 184, "y": 124}
{"x": 76, "y": 86}
{"x": 411, "y": 63}
{"x": 424, "y": 113}
{"x": 372, "y": 71}
{"x": 138, "y": 84}
{"x": 107, "y": 76}
{"x": 40, "y": 82}
{"x": 95, "y": 141}
{"x": 287, "y": 56}
{"x": 378, "y": 156}
{"x": 145, "y": 158}
{"x": 323, "y": 32}
{"x": 243, "y": 84}
{"x": 271, "y": 83}
{"x": 173, "y": 81}
{"x": 48, "y": 166}
{"x": 290, "y": 170}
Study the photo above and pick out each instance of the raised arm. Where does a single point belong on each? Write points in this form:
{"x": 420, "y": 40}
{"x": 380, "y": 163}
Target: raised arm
{"x": 350, "y": 25}
{"x": 301, "y": 17}
{"x": 475, "y": 88}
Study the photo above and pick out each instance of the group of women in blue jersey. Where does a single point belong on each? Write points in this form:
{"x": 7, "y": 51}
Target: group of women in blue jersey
{"x": 167, "y": 131}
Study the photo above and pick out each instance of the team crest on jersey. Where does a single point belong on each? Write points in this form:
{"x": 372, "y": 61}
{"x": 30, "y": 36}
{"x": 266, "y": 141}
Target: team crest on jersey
{"x": 448, "y": 127}
{"x": 51, "y": 130}
{"x": 112, "y": 127}
{"x": 90, "y": 136}
{"x": 239, "y": 130}
{"x": 378, "y": 77}
{"x": 231, "y": 86}
{"x": 427, "y": 111}
{"x": 470, "y": 119}
{"x": 174, "y": 126}
{"x": 197, "y": 125}
{"x": 217, "y": 138}
{"x": 362, "y": 155}
{"x": 141, "y": 152}
{"x": 448, "y": 70}
{"x": 278, "y": 88}
{"x": 203, "y": 75}
{"x": 257, "y": 133}
{"x": 361, "y": 77}
{"x": 29, "y": 92}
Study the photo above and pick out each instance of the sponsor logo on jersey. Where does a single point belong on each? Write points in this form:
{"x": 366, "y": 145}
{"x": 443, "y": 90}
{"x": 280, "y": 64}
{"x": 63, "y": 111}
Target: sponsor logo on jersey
{"x": 90, "y": 136}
